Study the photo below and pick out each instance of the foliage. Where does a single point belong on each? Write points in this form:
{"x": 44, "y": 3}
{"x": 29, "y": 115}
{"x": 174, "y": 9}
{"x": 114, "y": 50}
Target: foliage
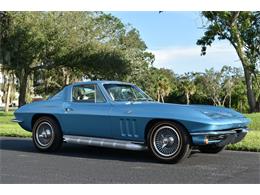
{"x": 224, "y": 88}
{"x": 219, "y": 84}
{"x": 48, "y": 50}
{"x": 158, "y": 83}
{"x": 186, "y": 85}
{"x": 77, "y": 45}
{"x": 242, "y": 30}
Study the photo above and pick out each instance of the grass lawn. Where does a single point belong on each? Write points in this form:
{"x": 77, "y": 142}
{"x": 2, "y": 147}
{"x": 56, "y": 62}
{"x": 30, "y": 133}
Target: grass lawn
{"x": 250, "y": 143}
{"x": 252, "y": 139}
{"x": 9, "y": 128}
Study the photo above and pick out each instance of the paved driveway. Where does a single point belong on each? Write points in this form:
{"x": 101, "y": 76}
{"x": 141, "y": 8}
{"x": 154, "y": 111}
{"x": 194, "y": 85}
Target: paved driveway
{"x": 21, "y": 163}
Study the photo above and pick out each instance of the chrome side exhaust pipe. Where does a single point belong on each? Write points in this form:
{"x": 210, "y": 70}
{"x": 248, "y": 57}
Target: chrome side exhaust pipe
{"x": 103, "y": 142}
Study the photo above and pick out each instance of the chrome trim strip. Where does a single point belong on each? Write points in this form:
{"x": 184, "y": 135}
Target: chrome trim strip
{"x": 233, "y": 131}
{"x": 104, "y": 142}
{"x": 16, "y": 120}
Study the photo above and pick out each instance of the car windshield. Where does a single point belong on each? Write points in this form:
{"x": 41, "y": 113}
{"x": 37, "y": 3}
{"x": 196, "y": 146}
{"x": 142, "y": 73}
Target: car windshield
{"x": 124, "y": 92}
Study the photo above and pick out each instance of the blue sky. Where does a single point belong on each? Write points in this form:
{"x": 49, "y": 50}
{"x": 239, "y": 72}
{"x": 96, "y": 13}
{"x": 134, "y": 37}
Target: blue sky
{"x": 172, "y": 37}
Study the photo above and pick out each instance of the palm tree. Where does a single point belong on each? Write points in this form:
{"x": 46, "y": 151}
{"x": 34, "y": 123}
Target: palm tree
{"x": 187, "y": 85}
{"x": 163, "y": 87}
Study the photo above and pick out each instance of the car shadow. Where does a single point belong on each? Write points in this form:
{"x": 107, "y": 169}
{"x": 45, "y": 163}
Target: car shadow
{"x": 82, "y": 151}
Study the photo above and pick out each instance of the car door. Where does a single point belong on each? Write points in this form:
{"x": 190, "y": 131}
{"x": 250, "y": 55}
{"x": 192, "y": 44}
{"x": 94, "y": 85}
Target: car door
{"x": 127, "y": 122}
{"x": 126, "y": 115}
{"x": 87, "y": 113}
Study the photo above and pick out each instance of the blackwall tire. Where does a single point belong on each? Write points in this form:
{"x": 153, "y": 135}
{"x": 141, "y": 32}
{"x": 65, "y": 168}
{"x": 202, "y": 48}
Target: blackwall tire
{"x": 47, "y": 135}
{"x": 169, "y": 142}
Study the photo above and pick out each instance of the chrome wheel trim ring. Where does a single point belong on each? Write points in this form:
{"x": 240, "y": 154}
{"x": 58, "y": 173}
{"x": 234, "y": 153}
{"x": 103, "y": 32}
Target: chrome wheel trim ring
{"x": 166, "y": 141}
{"x": 44, "y": 134}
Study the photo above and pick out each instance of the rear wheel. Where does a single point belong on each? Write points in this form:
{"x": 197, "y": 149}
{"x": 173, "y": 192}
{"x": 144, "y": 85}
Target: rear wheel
{"x": 169, "y": 142}
{"x": 47, "y": 134}
{"x": 213, "y": 149}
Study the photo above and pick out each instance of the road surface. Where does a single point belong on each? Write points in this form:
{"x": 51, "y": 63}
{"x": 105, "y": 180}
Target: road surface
{"x": 21, "y": 163}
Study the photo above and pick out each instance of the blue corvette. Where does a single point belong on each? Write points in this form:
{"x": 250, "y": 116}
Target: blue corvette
{"x": 120, "y": 115}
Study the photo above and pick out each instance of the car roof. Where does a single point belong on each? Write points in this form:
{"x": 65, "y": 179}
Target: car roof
{"x": 100, "y": 82}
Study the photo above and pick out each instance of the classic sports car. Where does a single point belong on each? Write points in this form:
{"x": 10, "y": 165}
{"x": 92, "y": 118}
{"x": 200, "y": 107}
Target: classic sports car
{"x": 120, "y": 115}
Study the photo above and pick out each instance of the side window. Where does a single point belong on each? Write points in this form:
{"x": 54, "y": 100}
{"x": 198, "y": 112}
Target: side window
{"x": 87, "y": 93}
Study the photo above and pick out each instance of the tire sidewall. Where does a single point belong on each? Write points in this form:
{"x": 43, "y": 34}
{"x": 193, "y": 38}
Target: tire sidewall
{"x": 184, "y": 142}
{"x": 56, "y": 131}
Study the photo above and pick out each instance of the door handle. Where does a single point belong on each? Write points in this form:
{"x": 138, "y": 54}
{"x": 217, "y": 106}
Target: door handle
{"x": 129, "y": 111}
{"x": 68, "y": 109}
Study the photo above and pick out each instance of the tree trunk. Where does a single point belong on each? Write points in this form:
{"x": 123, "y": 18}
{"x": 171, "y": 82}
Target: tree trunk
{"x": 162, "y": 98}
{"x": 66, "y": 76}
{"x": 67, "y": 79}
{"x": 187, "y": 98}
{"x": 214, "y": 102}
{"x": 250, "y": 93}
{"x": 7, "y": 99}
{"x": 224, "y": 100}
{"x": 248, "y": 75}
{"x": 230, "y": 100}
{"x": 23, "y": 88}
{"x": 217, "y": 102}
{"x": 258, "y": 105}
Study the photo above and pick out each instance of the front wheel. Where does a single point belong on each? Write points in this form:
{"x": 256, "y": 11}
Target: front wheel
{"x": 47, "y": 134}
{"x": 169, "y": 142}
{"x": 211, "y": 149}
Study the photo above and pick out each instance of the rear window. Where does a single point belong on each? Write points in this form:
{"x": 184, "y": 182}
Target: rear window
{"x": 58, "y": 95}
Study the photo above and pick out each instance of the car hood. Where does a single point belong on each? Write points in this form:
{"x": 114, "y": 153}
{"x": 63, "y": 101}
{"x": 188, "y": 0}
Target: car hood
{"x": 187, "y": 111}
{"x": 216, "y": 112}
{"x": 193, "y": 117}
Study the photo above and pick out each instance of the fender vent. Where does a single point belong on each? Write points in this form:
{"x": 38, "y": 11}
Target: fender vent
{"x": 128, "y": 128}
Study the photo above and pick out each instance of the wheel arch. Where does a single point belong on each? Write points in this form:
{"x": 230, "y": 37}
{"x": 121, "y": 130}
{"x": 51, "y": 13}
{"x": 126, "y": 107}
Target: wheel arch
{"x": 39, "y": 115}
{"x": 152, "y": 122}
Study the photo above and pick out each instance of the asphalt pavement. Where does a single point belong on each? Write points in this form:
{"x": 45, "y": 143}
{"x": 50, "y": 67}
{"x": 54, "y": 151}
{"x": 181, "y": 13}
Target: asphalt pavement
{"x": 20, "y": 162}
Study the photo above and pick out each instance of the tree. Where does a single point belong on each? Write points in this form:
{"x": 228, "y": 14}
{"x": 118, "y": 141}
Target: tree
{"x": 239, "y": 98}
{"x": 187, "y": 86}
{"x": 218, "y": 86}
{"x": 160, "y": 83}
{"x": 242, "y": 30}
{"x": 20, "y": 46}
{"x": 93, "y": 44}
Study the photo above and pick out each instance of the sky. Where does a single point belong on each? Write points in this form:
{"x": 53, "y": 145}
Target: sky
{"x": 172, "y": 36}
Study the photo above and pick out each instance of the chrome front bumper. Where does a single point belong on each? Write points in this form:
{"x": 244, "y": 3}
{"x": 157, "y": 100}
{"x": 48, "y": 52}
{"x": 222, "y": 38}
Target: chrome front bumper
{"x": 219, "y": 138}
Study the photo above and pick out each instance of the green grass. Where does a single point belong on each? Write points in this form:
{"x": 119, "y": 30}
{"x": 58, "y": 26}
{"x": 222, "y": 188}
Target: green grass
{"x": 255, "y": 121}
{"x": 9, "y": 128}
{"x": 250, "y": 143}
{"x": 252, "y": 140}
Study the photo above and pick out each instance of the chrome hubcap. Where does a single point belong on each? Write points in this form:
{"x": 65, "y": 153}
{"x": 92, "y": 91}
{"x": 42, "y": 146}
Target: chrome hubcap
{"x": 44, "y": 134}
{"x": 166, "y": 141}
